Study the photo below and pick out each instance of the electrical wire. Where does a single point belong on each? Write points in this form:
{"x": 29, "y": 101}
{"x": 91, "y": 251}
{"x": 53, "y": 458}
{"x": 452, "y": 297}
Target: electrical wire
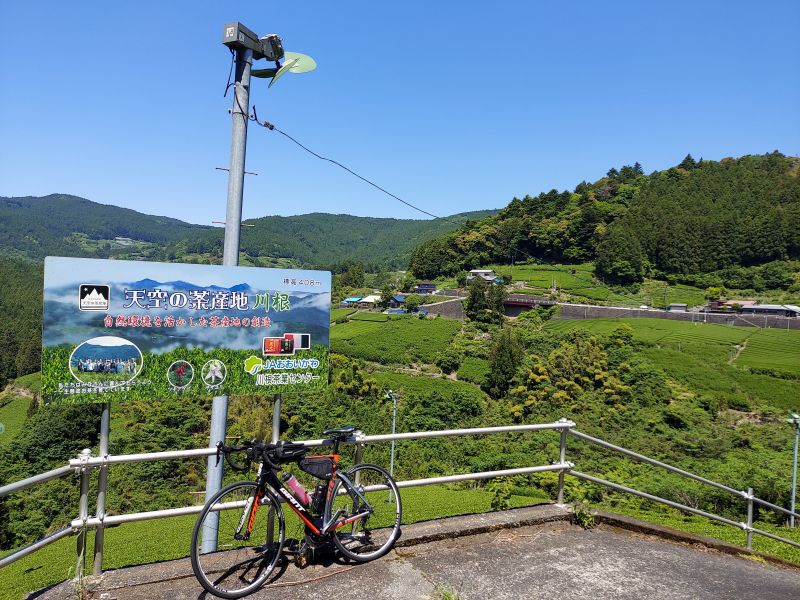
{"x": 271, "y": 127}
{"x": 230, "y": 73}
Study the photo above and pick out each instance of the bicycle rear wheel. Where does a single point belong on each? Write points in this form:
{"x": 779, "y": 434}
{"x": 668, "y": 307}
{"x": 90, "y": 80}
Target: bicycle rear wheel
{"x": 232, "y": 566}
{"x": 374, "y": 492}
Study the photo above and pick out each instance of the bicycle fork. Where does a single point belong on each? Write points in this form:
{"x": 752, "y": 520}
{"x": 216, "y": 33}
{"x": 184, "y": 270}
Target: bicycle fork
{"x": 250, "y": 509}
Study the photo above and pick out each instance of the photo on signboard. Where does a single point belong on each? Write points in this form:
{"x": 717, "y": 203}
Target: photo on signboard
{"x": 106, "y": 359}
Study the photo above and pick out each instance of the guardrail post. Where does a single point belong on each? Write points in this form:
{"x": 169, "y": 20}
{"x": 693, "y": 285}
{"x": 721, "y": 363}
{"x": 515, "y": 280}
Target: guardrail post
{"x": 749, "y": 518}
{"x": 359, "y": 457}
{"x": 102, "y": 483}
{"x": 83, "y": 515}
{"x": 562, "y": 459}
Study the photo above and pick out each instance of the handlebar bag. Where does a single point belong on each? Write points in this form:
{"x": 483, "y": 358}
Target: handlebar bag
{"x": 320, "y": 467}
{"x": 289, "y": 452}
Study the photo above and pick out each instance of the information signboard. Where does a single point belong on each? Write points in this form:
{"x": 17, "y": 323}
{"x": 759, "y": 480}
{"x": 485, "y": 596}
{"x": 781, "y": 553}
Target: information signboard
{"x": 115, "y": 329}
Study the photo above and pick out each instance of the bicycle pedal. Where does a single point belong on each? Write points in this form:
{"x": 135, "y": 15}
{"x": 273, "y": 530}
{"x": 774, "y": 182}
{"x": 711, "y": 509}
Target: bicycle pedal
{"x": 303, "y": 559}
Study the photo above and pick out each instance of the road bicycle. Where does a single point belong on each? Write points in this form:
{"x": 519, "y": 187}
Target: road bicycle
{"x": 239, "y": 536}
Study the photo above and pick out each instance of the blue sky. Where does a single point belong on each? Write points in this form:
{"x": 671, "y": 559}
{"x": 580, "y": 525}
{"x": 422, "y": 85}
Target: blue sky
{"x": 452, "y": 106}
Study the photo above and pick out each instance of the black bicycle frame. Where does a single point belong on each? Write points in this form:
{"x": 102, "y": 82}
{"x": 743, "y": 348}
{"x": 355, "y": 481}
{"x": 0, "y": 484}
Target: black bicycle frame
{"x": 268, "y": 477}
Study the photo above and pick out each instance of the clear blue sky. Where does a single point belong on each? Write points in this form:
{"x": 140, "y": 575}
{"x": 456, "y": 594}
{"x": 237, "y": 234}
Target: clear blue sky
{"x": 454, "y": 106}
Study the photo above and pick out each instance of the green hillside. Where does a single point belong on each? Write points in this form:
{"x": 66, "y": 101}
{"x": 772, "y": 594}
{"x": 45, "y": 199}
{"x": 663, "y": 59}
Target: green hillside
{"x": 325, "y": 239}
{"x": 64, "y": 225}
{"x": 707, "y": 223}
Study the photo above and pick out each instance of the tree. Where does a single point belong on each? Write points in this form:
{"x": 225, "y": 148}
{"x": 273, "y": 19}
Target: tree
{"x": 620, "y": 257}
{"x": 353, "y": 276}
{"x": 504, "y": 358}
{"x": 495, "y": 298}
{"x": 476, "y": 302}
{"x": 412, "y": 302}
{"x": 688, "y": 163}
{"x": 387, "y": 295}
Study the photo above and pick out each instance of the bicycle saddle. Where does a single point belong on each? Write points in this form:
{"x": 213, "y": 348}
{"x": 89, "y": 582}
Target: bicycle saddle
{"x": 340, "y": 431}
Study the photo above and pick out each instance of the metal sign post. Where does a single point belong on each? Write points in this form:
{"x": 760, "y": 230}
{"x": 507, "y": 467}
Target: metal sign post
{"x": 102, "y": 485}
{"x": 230, "y": 253}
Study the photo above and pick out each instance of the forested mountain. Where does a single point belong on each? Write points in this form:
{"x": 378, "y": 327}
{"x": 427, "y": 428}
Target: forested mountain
{"x": 322, "y": 239}
{"x": 21, "y": 322}
{"x": 698, "y": 217}
{"x": 63, "y": 225}
{"x": 60, "y": 224}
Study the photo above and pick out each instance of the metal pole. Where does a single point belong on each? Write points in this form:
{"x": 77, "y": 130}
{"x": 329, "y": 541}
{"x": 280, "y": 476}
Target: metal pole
{"x": 394, "y": 423}
{"x": 749, "y": 518}
{"x": 276, "y": 434}
{"x": 102, "y": 484}
{"x": 794, "y": 470}
{"x": 83, "y": 515}
{"x": 276, "y": 419}
{"x": 561, "y": 459}
{"x": 230, "y": 255}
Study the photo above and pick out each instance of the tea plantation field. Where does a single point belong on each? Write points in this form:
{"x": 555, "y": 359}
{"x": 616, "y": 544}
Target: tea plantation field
{"x": 773, "y": 349}
{"x": 402, "y": 341}
{"x": 578, "y": 280}
{"x": 703, "y": 358}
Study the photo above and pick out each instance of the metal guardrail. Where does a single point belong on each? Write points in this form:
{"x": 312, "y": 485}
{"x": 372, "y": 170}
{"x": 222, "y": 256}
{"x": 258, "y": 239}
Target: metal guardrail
{"x": 746, "y": 526}
{"x": 85, "y": 463}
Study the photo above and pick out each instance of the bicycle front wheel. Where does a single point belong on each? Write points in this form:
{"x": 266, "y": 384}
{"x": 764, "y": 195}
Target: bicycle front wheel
{"x": 374, "y": 495}
{"x": 227, "y": 560}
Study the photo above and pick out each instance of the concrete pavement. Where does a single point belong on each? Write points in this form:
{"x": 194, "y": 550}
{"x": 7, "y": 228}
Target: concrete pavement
{"x": 526, "y": 553}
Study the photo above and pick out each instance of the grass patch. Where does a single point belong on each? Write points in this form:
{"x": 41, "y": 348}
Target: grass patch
{"x": 473, "y": 370}
{"x": 12, "y": 417}
{"x": 340, "y": 313}
{"x": 422, "y": 385}
{"x": 726, "y": 533}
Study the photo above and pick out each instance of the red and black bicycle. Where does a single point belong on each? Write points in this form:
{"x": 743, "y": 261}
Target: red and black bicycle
{"x": 240, "y": 534}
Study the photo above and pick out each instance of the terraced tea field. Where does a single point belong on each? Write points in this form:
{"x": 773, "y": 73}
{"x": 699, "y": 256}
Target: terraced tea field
{"x": 579, "y": 281}
{"x": 774, "y": 349}
{"x": 403, "y": 340}
{"x": 663, "y": 331}
{"x": 702, "y": 357}
{"x": 370, "y": 316}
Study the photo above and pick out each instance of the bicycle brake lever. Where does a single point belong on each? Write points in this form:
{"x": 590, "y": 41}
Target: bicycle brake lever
{"x": 219, "y": 452}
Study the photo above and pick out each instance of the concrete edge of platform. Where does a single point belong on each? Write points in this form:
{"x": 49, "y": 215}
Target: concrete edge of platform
{"x": 675, "y": 535}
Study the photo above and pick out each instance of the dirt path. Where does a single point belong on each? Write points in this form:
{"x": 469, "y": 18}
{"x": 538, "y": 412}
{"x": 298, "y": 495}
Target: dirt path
{"x": 739, "y": 349}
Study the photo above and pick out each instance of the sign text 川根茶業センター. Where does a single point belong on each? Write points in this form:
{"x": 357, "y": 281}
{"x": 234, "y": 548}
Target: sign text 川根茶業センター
{"x": 115, "y": 329}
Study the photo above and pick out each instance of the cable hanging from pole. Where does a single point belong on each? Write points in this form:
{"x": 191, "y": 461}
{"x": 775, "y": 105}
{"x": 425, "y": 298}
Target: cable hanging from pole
{"x": 271, "y": 127}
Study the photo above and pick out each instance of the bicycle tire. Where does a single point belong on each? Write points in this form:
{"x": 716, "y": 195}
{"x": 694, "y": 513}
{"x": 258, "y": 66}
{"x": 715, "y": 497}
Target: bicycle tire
{"x": 372, "y": 536}
{"x": 236, "y": 562}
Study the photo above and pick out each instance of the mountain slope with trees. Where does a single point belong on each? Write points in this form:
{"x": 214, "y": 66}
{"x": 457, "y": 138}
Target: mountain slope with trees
{"x": 64, "y": 225}
{"x": 698, "y": 217}
{"x": 43, "y": 226}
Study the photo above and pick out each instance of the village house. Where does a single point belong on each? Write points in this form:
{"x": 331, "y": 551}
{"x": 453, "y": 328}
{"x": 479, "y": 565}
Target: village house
{"x": 425, "y": 287}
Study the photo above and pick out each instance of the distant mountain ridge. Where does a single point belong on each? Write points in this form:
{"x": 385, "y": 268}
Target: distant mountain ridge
{"x": 65, "y": 225}
{"x": 40, "y": 226}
